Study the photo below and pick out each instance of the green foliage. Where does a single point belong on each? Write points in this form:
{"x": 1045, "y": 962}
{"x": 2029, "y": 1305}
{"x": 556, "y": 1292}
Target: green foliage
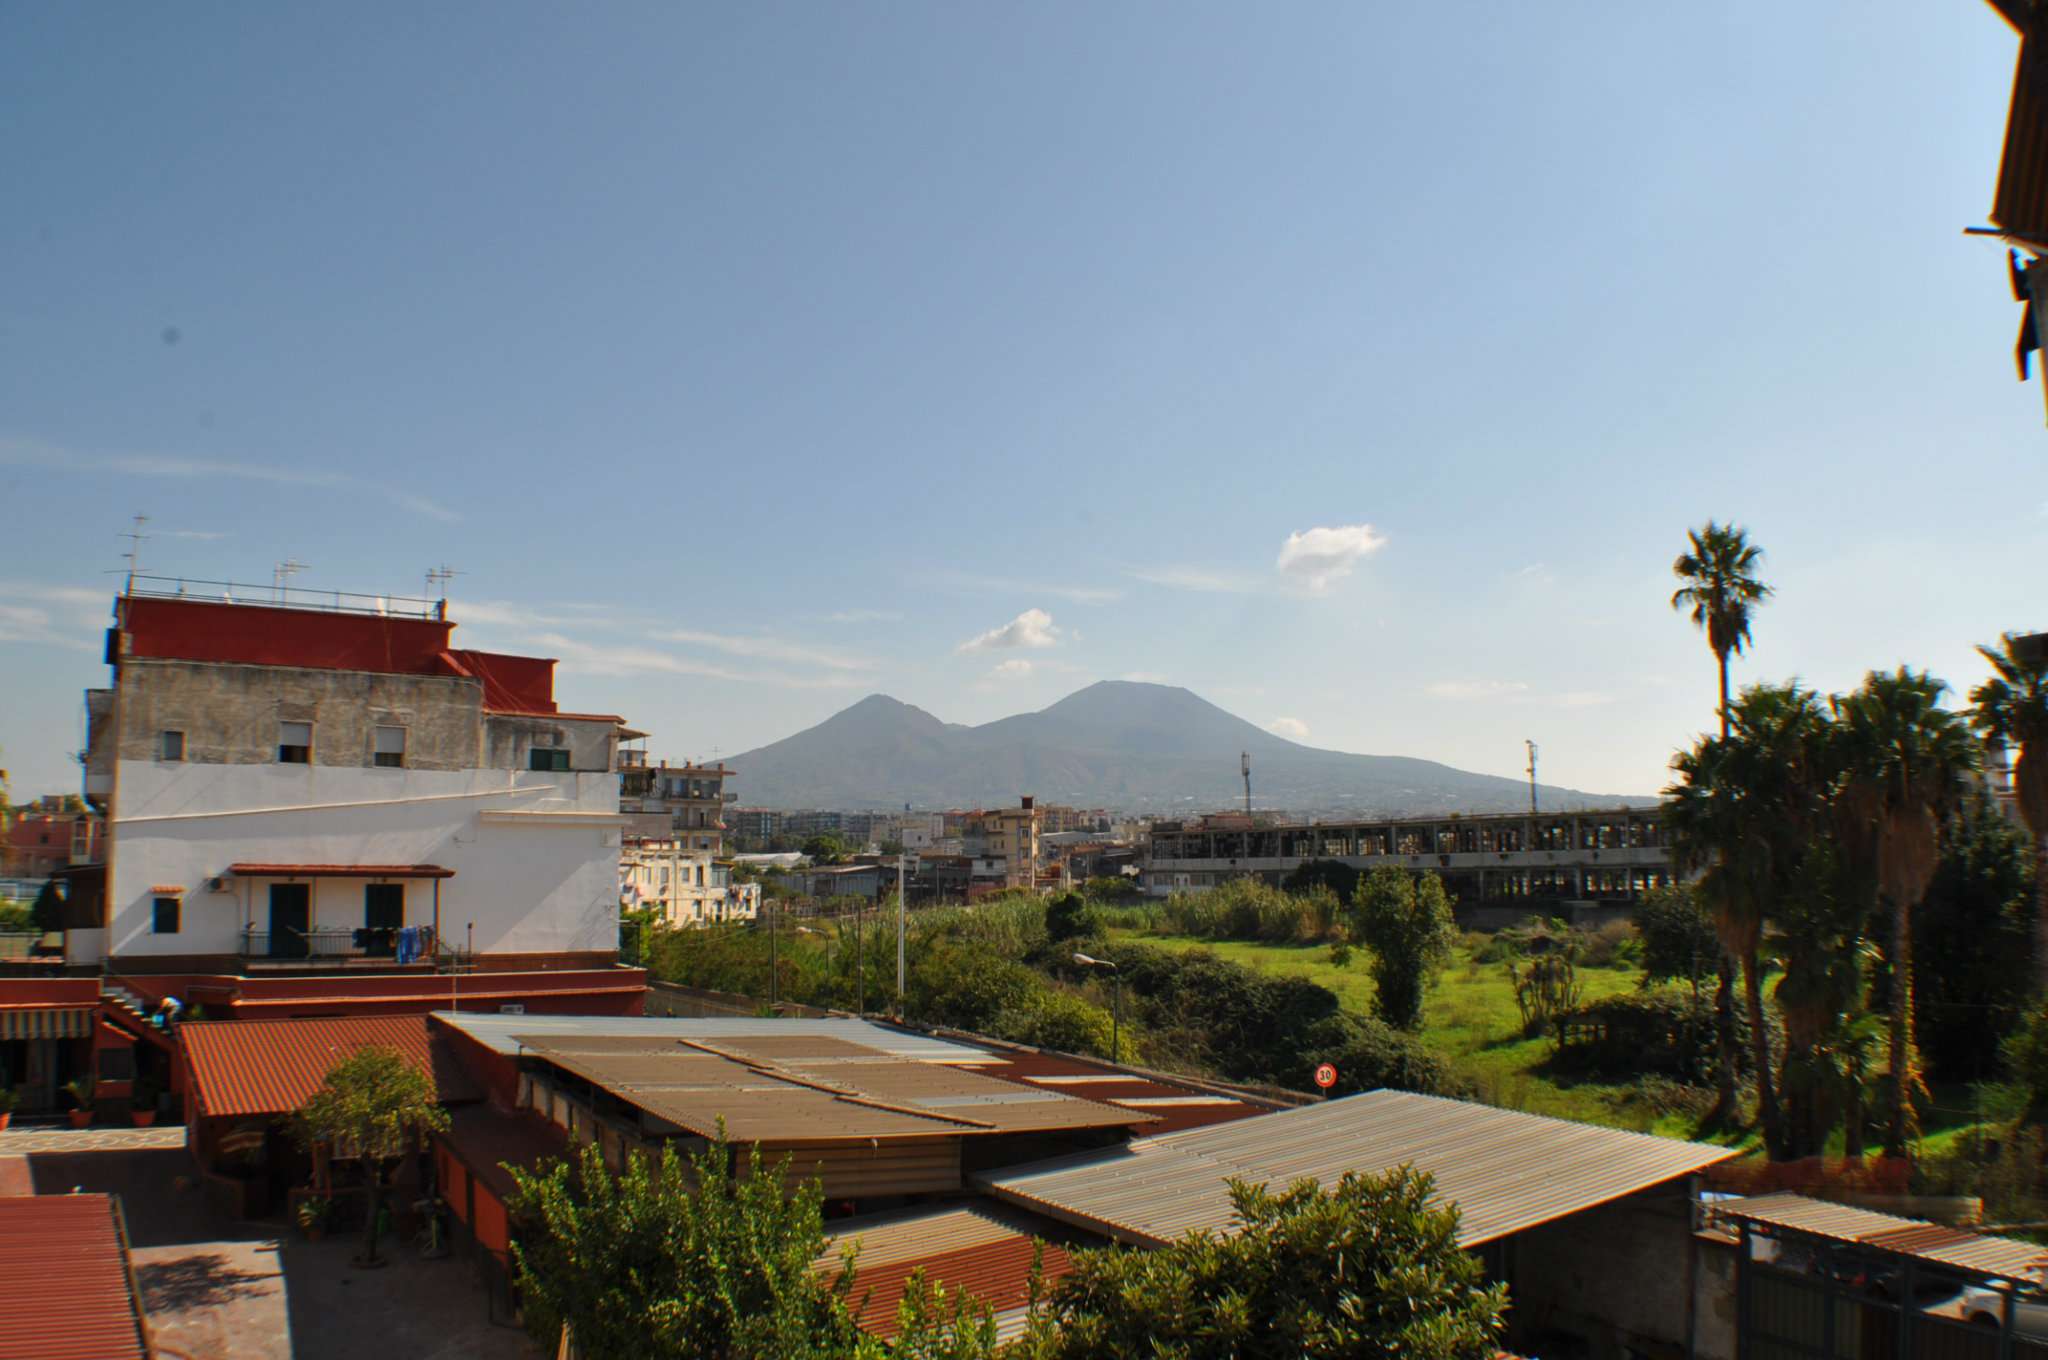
{"x": 1113, "y": 888}
{"x": 2026, "y": 1060}
{"x": 373, "y": 1104}
{"x": 1334, "y": 874}
{"x": 826, "y": 848}
{"x": 16, "y": 917}
{"x": 1546, "y": 988}
{"x": 1679, "y": 943}
{"x": 961, "y": 987}
{"x": 1406, "y": 920}
{"x": 676, "y": 1258}
{"x": 1056, "y": 1019}
{"x": 1669, "y": 1033}
{"x": 1367, "y": 1269}
{"x": 1247, "y": 909}
{"x": 49, "y": 908}
{"x": 1973, "y": 945}
{"x": 1071, "y": 917}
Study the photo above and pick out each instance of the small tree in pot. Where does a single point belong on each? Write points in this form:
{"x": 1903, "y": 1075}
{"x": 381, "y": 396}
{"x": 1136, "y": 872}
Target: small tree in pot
{"x": 377, "y": 1106}
{"x": 81, "y": 1090}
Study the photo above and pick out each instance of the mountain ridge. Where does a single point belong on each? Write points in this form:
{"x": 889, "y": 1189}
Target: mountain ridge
{"x": 1120, "y": 744}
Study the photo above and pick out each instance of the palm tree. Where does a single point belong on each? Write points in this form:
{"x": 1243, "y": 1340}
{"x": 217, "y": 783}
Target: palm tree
{"x": 1722, "y": 590}
{"x": 1743, "y": 813}
{"x": 2011, "y": 710}
{"x": 1905, "y": 762}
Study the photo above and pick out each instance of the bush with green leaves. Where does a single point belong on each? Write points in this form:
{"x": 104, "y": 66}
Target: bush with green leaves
{"x": 675, "y": 1258}
{"x": 1666, "y": 1032}
{"x": 1369, "y": 1268}
{"x": 1405, "y": 919}
{"x": 1973, "y": 945}
{"x": 1679, "y": 941}
{"x": 1072, "y": 917}
{"x": 378, "y": 1104}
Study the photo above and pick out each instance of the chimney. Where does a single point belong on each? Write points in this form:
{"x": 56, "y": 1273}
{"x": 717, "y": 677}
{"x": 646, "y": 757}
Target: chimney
{"x": 1027, "y": 802}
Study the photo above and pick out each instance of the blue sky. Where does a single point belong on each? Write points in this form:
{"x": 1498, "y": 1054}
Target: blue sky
{"x": 1358, "y": 367}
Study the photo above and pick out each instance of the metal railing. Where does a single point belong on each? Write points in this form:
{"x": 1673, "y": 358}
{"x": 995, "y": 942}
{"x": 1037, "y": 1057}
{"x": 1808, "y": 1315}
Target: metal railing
{"x": 290, "y": 597}
{"x": 328, "y": 943}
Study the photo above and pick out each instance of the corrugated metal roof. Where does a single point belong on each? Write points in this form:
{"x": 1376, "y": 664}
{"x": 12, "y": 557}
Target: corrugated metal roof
{"x": 69, "y": 1294}
{"x": 1943, "y": 1245}
{"x": 252, "y": 1067}
{"x": 487, "y": 1140}
{"x": 500, "y": 1032}
{"x": 1102, "y": 1082}
{"x": 1505, "y": 1170}
{"x": 986, "y": 1249}
{"x": 1007, "y": 1106}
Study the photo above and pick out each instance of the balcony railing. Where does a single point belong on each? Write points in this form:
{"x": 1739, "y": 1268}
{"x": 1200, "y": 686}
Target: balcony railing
{"x": 333, "y": 944}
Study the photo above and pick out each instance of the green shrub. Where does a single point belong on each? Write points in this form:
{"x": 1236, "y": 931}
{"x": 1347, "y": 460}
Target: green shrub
{"x": 1546, "y": 987}
{"x": 1055, "y": 1019}
{"x": 1613, "y": 945}
{"x": 1636, "y": 1033}
{"x": 1406, "y": 920}
{"x": 1071, "y": 917}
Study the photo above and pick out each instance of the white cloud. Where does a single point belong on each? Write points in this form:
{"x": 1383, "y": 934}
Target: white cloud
{"x": 24, "y": 453}
{"x": 1033, "y": 628}
{"x": 202, "y": 535}
{"x": 1010, "y": 585}
{"x": 1294, "y": 729}
{"x": 1145, "y": 678}
{"x": 1322, "y": 555}
{"x": 767, "y": 649}
{"x": 864, "y": 616}
{"x": 1476, "y": 689}
{"x": 1197, "y": 578}
{"x": 600, "y": 659}
{"x": 1014, "y": 669}
{"x": 53, "y": 616}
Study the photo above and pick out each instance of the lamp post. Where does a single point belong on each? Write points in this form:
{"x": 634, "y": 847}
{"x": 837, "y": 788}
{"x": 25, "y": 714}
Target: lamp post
{"x": 1116, "y": 1012}
{"x": 774, "y": 962}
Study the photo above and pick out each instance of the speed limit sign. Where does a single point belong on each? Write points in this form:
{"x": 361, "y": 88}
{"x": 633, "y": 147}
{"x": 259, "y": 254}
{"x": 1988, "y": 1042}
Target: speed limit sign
{"x": 1326, "y": 1075}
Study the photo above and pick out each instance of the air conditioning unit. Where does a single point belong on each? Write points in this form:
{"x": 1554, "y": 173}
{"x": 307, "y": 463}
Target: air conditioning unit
{"x": 512, "y": 1008}
{"x": 217, "y": 884}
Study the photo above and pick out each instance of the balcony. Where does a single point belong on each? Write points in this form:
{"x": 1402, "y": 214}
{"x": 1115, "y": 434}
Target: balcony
{"x": 326, "y": 945}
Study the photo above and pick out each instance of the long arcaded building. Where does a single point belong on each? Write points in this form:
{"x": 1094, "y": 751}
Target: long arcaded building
{"x": 1499, "y": 859}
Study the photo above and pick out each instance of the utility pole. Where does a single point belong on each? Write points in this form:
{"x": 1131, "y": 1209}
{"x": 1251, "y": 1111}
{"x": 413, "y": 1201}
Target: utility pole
{"x": 1532, "y": 776}
{"x": 135, "y": 539}
{"x": 902, "y": 899}
{"x": 1244, "y": 761}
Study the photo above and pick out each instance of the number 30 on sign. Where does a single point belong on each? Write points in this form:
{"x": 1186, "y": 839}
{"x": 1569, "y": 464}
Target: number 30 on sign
{"x": 1326, "y": 1075}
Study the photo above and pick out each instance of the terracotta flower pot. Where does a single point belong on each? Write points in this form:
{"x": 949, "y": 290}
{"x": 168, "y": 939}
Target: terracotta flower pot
{"x": 80, "y": 1118}
{"x": 5, "y": 1117}
{"x": 143, "y": 1118}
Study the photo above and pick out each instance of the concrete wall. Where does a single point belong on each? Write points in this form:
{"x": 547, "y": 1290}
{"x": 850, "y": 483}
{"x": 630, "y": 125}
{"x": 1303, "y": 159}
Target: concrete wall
{"x": 230, "y": 714}
{"x": 535, "y": 855}
{"x": 1615, "y": 1275}
{"x": 508, "y": 741}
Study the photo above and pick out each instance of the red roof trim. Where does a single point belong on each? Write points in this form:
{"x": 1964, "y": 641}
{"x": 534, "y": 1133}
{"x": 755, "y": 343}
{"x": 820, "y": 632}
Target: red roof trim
{"x": 340, "y": 871}
{"x": 566, "y": 717}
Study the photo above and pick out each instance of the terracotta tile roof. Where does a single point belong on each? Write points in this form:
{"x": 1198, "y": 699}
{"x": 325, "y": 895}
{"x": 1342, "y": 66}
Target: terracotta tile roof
{"x": 69, "y": 1296}
{"x": 251, "y": 1067}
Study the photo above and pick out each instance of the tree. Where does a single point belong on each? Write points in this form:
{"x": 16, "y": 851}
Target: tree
{"x": 375, "y": 1105}
{"x": 1679, "y": 942}
{"x": 1904, "y": 760}
{"x": 2011, "y": 710}
{"x": 1369, "y": 1268}
{"x": 1334, "y": 874}
{"x": 1406, "y": 920}
{"x": 1721, "y": 588}
{"x": 1743, "y": 812}
{"x": 825, "y": 848}
{"x": 675, "y": 1258}
{"x": 1071, "y": 917}
{"x": 1973, "y": 943}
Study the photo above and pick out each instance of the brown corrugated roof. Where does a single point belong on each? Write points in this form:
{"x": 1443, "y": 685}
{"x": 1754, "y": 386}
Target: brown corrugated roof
{"x": 1175, "y": 1106}
{"x": 1943, "y": 1245}
{"x": 1505, "y": 1170}
{"x": 1006, "y": 1106}
{"x": 69, "y": 1293}
{"x": 270, "y": 1067}
{"x": 986, "y": 1249}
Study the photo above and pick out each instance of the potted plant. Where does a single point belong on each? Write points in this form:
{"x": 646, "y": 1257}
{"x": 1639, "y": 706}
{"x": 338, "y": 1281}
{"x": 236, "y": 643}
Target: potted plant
{"x": 312, "y": 1215}
{"x": 142, "y": 1105}
{"x": 9, "y": 1098}
{"x": 81, "y": 1089}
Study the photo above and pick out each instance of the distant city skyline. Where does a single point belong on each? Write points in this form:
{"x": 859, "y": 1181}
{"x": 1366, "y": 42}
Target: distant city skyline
{"x": 1360, "y": 373}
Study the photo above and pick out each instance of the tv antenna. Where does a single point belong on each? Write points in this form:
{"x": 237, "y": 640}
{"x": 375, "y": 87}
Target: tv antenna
{"x": 1244, "y": 765}
{"x": 1532, "y": 776}
{"x": 438, "y": 579}
{"x": 282, "y": 572}
{"x": 135, "y": 538}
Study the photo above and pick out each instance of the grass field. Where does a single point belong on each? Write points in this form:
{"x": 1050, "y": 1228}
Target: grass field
{"x": 1470, "y": 1018}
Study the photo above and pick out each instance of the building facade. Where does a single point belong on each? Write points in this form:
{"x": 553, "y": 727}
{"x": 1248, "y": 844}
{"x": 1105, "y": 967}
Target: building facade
{"x": 300, "y": 786}
{"x": 692, "y": 797}
{"x": 683, "y": 885}
{"x": 50, "y": 836}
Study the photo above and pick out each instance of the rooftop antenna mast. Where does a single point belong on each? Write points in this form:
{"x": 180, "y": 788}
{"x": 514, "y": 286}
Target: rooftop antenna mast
{"x": 1532, "y": 776}
{"x": 282, "y": 572}
{"x": 1244, "y": 764}
{"x": 437, "y": 586}
{"x": 135, "y": 539}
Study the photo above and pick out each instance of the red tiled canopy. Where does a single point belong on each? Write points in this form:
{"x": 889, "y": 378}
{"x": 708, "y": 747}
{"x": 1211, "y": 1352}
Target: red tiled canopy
{"x": 340, "y": 871}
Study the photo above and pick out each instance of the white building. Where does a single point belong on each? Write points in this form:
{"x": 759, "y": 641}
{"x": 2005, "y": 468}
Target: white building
{"x": 306, "y": 787}
{"x": 682, "y": 883}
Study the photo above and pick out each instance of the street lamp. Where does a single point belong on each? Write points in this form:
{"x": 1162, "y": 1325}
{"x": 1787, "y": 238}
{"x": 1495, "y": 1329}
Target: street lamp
{"x": 1116, "y": 1012}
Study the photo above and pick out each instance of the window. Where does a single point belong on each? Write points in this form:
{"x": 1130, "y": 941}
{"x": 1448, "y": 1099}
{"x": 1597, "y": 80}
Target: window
{"x": 170, "y": 745}
{"x": 164, "y": 916}
{"x": 295, "y": 743}
{"x": 552, "y": 758}
{"x": 383, "y": 918}
{"x": 390, "y": 747}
